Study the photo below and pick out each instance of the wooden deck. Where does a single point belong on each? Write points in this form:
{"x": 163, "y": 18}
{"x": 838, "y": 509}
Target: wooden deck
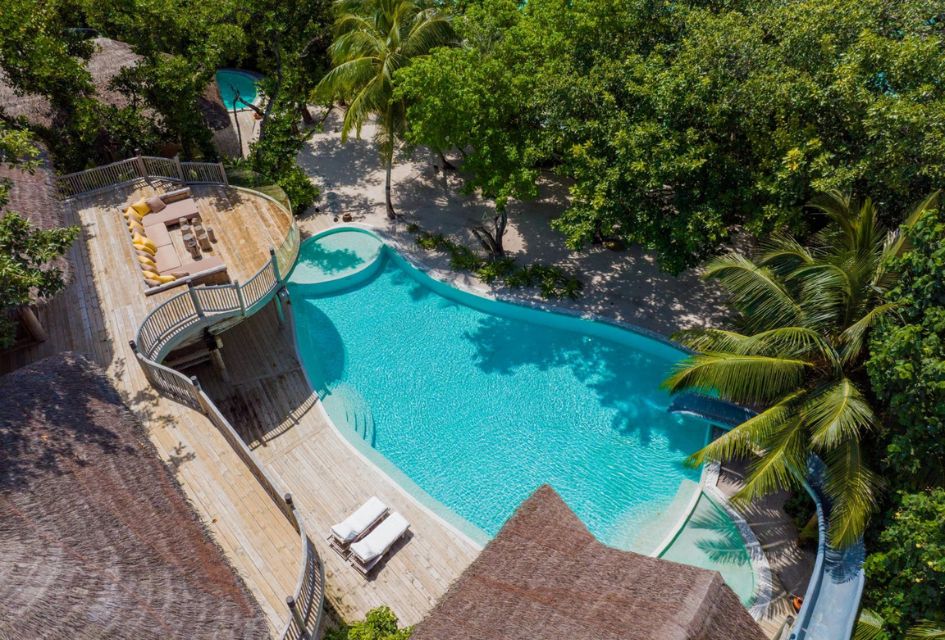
{"x": 100, "y": 312}
{"x": 269, "y": 397}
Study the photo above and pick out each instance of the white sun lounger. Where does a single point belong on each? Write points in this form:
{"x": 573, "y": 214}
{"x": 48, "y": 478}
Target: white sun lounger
{"x": 356, "y": 525}
{"x": 369, "y": 551}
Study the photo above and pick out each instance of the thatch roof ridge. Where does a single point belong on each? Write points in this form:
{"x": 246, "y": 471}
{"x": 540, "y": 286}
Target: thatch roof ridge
{"x": 545, "y": 576}
{"x": 97, "y": 538}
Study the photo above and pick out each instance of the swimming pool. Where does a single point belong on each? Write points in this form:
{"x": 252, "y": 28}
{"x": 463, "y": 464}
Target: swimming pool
{"x": 233, "y": 83}
{"x": 472, "y": 403}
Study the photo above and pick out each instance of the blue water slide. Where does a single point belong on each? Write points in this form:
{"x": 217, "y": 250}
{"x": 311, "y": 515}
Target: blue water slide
{"x": 832, "y": 600}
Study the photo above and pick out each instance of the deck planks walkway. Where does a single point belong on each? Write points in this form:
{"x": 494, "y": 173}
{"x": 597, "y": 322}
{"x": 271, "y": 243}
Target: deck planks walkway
{"x": 327, "y": 477}
{"x": 100, "y": 312}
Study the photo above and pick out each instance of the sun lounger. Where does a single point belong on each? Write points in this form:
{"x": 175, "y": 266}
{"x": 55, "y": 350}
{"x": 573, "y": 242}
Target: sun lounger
{"x": 355, "y": 526}
{"x": 366, "y": 553}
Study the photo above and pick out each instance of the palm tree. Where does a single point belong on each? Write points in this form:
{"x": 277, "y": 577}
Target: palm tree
{"x": 373, "y": 39}
{"x": 805, "y": 313}
{"x": 871, "y": 626}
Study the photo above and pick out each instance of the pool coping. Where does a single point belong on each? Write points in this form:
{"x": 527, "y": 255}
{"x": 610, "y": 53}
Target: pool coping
{"x": 256, "y": 76}
{"x": 762, "y": 593}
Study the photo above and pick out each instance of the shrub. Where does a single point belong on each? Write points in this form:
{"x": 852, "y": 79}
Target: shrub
{"x": 300, "y": 190}
{"x": 378, "y": 624}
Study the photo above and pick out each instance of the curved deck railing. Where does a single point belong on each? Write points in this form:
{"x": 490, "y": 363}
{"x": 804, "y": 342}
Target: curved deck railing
{"x": 200, "y": 307}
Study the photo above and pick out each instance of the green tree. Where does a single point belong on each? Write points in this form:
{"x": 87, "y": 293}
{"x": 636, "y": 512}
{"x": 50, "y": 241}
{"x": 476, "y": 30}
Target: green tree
{"x": 25, "y": 252}
{"x": 805, "y": 313}
{"x": 907, "y": 362}
{"x": 378, "y": 624}
{"x": 905, "y": 571}
{"x": 375, "y": 38}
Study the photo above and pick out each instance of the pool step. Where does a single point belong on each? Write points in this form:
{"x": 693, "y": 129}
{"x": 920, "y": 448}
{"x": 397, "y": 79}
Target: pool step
{"x": 344, "y": 400}
{"x": 667, "y": 520}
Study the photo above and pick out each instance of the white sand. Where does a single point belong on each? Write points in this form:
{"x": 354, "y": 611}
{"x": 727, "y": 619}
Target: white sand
{"x": 627, "y": 286}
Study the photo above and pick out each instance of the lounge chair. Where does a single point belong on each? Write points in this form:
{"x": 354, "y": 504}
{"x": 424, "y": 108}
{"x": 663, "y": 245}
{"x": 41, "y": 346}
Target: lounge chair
{"x": 366, "y": 553}
{"x": 356, "y": 526}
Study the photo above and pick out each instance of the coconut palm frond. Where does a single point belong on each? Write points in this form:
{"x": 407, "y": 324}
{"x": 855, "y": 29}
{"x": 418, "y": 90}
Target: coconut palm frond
{"x": 777, "y": 468}
{"x": 745, "y": 440}
{"x": 853, "y": 338}
{"x": 794, "y": 342}
{"x": 839, "y": 207}
{"x": 927, "y": 630}
{"x": 837, "y": 413}
{"x": 851, "y": 488}
{"x": 711, "y": 340}
{"x": 756, "y": 291}
{"x": 428, "y": 31}
{"x": 869, "y": 626}
{"x": 783, "y": 254}
{"x": 746, "y": 379}
{"x": 900, "y": 242}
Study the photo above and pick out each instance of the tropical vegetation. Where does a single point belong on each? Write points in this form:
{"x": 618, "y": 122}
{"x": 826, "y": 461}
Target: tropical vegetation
{"x": 373, "y": 40}
{"x": 799, "y": 355}
{"x": 379, "y": 624}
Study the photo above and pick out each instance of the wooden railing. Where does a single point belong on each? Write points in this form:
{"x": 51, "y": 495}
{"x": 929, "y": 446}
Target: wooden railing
{"x": 139, "y": 168}
{"x": 201, "y": 307}
{"x": 307, "y": 601}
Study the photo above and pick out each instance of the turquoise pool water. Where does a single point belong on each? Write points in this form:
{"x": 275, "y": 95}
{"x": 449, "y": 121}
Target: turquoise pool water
{"x": 232, "y": 83}
{"x": 472, "y": 403}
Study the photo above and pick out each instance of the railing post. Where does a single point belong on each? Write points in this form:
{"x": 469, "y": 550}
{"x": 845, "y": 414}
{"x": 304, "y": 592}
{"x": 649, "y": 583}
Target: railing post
{"x": 226, "y": 180}
{"x": 139, "y": 164}
{"x": 239, "y": 296}
{"x": 180, "y": 169}
{"x": 275, "y": 265}
{"x": 195, "y": 299}
{"x": 295, "y": 614}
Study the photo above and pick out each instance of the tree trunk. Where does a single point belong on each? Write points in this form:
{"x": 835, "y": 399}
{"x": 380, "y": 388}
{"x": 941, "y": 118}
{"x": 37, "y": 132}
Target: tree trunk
{"x": 391, "y": 214}
{"x": 445, "y": 163}
{"x": 275, "y": 93}
{"x": 32, "y": 324}
{"x": 307, "y": 116}
{"x": 491, "y": 239}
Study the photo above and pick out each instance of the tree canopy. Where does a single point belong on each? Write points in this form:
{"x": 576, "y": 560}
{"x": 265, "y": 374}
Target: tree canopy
{"x": 676, "y": 123}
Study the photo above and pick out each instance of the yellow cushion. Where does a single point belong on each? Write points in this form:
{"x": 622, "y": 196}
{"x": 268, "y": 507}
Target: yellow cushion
{"x": 144, "y": 240}
{"x": 130, "y": 211}
{"x": 147, "y": 261}
{"x": 145, "y": 248}
{"x": 150, "y": 275}
{"x": 135, "y": 227}
{"x": 141, "y": 206}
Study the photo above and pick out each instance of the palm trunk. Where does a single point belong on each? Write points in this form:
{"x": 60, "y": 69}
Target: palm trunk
{"x": 391, "y": 214}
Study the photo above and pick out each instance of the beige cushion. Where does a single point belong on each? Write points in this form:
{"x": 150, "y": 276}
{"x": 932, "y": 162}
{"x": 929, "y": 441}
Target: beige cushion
{"x": 166, "y": 259}
{"x": 177, "y": 194}
{"x": 174, "y": 211}
{"x": 158, "y": 234}
{"x": 156, "y": 204}
{"x": 204, "y": 264}
{"x": 152, "y": 283}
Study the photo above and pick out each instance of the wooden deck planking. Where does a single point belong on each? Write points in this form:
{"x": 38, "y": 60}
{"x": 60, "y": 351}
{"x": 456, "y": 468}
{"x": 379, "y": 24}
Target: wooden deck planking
{"x": 327, "y": 478}
{"x": 100, "y": 312}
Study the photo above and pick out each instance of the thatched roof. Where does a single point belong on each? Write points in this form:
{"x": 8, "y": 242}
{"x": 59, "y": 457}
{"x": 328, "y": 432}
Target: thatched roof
{"x": 96, "y": 537}
{"x": 108, "y": 58}
{"x": 34, "y": 196}
{"x": 545, "y": 577}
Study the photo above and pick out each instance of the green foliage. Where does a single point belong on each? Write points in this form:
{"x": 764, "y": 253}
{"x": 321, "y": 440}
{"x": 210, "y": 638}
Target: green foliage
{"x": 379, "y": 624}
{"x": 373, "y": 39}
{"x": 273, "y": 157}
{"x": 907, "y": 361}
{"x": 805, "y": 312}
{"x": 676, "y": 122}
{"x": 906, "y": 569}
{"x": 552, "y": 281}
{"x": 25, "y": 272}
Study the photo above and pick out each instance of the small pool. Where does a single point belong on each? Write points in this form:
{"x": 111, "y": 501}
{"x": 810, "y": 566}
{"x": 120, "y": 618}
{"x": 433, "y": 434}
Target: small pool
{"x": 471, "y": 403}
{"x": 232, "y": 84}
